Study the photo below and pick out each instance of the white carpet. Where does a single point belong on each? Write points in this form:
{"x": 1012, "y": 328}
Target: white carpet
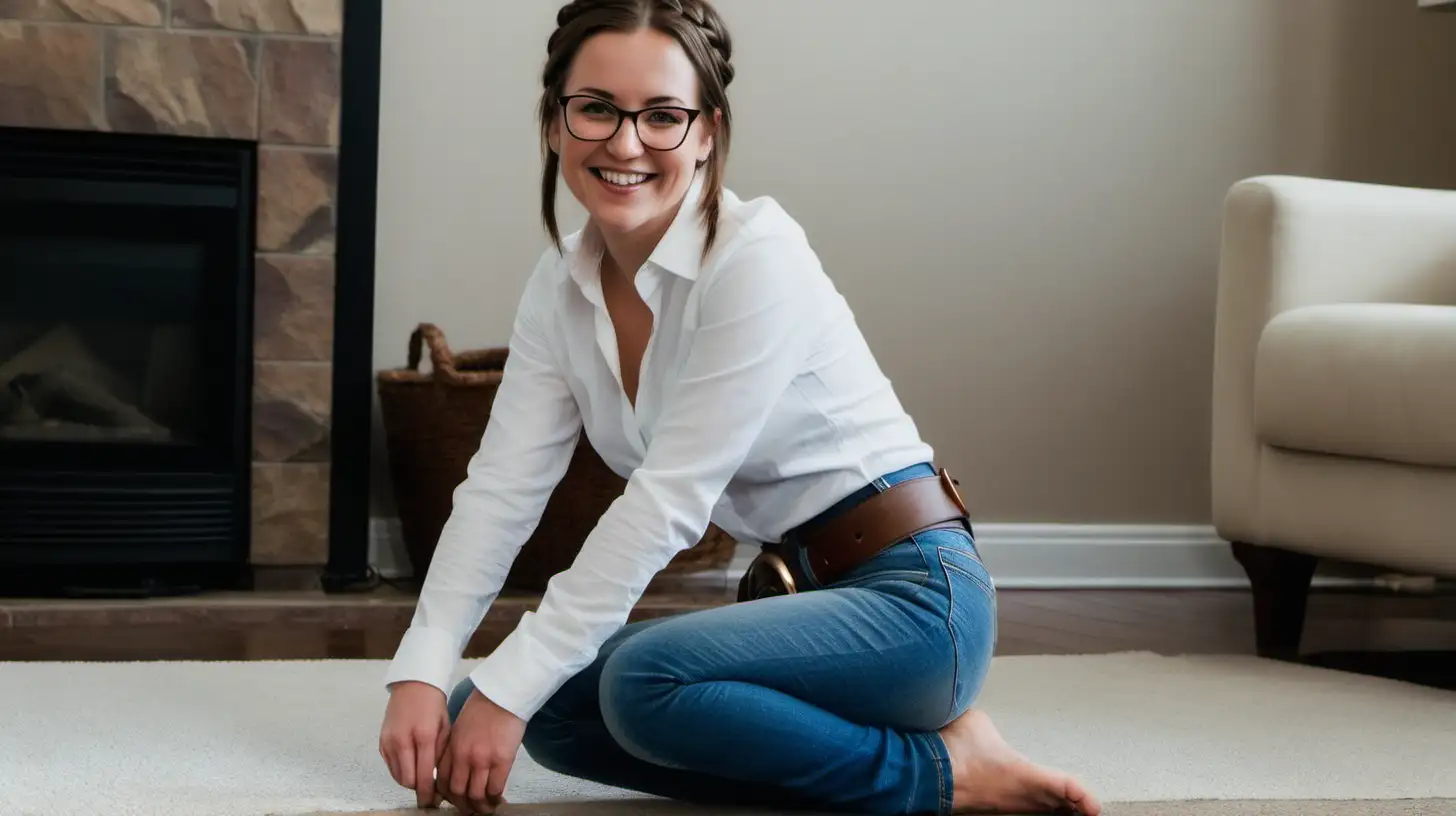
{"x": 246, "y": 739}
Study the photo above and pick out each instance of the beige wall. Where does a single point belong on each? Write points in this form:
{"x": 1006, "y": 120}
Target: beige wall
{"x": 1020, "y": 200}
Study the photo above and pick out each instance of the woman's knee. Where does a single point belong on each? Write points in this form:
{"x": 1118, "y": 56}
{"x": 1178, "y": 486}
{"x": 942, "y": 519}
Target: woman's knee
{"x": 550, "y": 741}
{"x": 557, "y": 736}
{"x": 637, "y": 684}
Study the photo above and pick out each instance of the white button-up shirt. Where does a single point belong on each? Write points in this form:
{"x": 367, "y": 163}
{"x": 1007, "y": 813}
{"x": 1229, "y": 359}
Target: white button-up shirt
{"x": 759, "y": 405}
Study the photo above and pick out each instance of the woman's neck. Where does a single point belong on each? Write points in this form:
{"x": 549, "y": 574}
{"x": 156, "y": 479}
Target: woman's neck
{"x": 625, "y": 254}
{"x": 628, "y": 251}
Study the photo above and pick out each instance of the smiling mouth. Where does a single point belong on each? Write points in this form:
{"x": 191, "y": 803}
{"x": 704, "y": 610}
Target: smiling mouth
{"x": 622, "y": 179}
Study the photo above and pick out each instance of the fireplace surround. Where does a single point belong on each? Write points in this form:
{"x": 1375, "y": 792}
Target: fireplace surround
{"x": 251, "y": 379}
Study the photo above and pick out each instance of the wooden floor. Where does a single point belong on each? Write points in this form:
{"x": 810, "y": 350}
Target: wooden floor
{"x": 1410, "y": 637}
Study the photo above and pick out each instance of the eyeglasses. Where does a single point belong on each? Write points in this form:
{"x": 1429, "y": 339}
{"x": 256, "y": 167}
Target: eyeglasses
{"x": 596, "y": 120}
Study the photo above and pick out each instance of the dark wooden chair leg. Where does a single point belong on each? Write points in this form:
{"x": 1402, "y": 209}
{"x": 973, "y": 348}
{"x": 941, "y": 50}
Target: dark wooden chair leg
{"x": 1281, "y": 581}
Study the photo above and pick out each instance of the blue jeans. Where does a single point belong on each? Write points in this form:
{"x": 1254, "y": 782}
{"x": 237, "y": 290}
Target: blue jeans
{"x": 826, "y": 699}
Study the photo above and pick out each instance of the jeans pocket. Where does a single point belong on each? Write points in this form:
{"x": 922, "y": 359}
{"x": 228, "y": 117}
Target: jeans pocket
{"x": 966, "y": 563}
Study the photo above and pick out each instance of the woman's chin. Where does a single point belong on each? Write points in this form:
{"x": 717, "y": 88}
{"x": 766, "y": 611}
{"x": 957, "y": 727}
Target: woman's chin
{"x": 620, "y": 216}
{"x": 622, "y": 213}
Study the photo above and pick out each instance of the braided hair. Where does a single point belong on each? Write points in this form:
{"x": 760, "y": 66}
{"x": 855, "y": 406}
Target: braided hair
{"x": 701, "y": 32}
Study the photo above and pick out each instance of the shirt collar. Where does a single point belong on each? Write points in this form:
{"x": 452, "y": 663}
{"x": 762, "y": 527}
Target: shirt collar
{"x": 681, "y": 249}
{"x": 679, "y": 252}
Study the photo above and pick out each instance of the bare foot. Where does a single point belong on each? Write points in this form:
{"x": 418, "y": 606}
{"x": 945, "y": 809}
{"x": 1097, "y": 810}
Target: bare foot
{"x": 991, "y": 777}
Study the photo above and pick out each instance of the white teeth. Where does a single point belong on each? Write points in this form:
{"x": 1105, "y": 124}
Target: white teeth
{"x": 623, "y": 179}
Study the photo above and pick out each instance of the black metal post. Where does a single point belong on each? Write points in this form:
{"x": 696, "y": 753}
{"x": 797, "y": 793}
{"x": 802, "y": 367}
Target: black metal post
{"x": 353, "y": 373}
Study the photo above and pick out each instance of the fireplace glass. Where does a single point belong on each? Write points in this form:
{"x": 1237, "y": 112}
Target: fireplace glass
{"x": 100, "y": 341}
{"x": 125, "y": 353}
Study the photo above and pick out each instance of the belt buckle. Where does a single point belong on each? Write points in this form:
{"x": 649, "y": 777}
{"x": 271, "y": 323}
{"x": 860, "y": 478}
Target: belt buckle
{"x": 767, "y": 576}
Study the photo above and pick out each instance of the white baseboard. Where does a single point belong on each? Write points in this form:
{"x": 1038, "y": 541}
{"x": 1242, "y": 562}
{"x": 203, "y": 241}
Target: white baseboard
{"x": 1057, "y": 556}
{"x": 1034, "y": 556}
{"x": 1085, "y": 556}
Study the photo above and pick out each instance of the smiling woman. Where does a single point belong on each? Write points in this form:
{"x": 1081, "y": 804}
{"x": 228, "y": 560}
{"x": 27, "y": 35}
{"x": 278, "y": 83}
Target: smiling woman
{"x": 694, "y": 337}
{"x": 666, "y": 76}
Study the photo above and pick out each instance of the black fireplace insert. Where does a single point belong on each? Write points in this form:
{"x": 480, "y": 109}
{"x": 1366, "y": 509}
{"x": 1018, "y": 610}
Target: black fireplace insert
{"x": 126, "y": 279}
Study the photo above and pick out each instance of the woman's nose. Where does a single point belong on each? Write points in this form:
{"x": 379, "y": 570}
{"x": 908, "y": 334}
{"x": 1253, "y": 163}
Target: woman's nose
{"x": 625, "y": 143}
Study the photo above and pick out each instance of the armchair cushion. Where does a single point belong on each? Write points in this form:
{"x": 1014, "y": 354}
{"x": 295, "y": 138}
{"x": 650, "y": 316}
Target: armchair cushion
{"x": 1371, "y": 380}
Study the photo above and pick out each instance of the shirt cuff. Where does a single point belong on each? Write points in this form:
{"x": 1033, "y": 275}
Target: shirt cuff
{"x": 426, "y": 655}
{"x": 519, "y": 675}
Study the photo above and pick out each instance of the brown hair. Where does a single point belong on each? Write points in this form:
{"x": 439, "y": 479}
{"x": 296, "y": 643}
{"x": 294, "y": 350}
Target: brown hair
{"x": 696, "y": 26}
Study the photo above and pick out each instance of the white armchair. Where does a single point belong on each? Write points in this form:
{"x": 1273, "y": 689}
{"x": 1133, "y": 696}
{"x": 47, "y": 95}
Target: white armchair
{"x": 1334, "y": 395}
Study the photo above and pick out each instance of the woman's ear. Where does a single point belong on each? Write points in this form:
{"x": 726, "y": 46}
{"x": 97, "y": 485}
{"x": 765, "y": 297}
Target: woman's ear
{"x": 553, "y": 136}
{"x": 709, "y": 130}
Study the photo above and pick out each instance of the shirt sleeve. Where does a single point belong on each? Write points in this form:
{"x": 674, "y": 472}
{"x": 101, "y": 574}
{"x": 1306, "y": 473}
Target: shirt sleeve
{"x": 752, "y": 337}
{"x": 527, "y": 445}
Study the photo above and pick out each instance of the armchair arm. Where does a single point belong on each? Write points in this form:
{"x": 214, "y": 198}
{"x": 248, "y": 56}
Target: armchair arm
{"x": 1290, "y": 242}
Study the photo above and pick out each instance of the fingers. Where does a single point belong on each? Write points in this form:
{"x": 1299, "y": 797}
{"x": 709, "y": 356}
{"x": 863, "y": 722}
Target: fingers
{"x": 386, "y": 750}
{"x": 452, "y": 766}
{"x": 424, "y": 769}
{"x": 405, "y": 759}
{"x": 470, "y": 773}
{"x": 393, "y": 750}
{"x": 459, "y": 775}
{"x": 496, "y": 788}
{"x": 488, "y": 782}
{"x": 475, "y": 794}
{"x": 442, "y": 746}
{"x": 443, "y": 775}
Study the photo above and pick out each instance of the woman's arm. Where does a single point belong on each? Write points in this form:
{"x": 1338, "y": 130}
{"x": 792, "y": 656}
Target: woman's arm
{"x": 525, "y": 450}
{"x": 754, "y": 329}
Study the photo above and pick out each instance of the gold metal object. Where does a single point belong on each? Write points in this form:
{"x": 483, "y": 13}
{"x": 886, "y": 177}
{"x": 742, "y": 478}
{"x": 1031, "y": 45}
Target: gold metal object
{"x": 767, "y": 576}
{"x": 781, "y": 567}
{"x": 950, "y": 488}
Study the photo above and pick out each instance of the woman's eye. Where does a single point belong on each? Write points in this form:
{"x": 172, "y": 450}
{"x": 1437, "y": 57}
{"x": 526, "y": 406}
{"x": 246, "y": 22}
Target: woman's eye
{"x": 666, "y": 118}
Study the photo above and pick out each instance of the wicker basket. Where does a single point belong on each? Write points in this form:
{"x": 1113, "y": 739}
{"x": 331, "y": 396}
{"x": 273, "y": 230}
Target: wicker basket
{"x": 433, "y": 424}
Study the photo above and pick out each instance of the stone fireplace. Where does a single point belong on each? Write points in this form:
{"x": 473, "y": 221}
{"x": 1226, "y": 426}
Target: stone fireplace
{"x": 265, "y": 73}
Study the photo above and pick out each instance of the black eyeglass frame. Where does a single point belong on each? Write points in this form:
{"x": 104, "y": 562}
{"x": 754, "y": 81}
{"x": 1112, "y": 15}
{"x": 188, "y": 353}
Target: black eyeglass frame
{"x": 624, "y": 114}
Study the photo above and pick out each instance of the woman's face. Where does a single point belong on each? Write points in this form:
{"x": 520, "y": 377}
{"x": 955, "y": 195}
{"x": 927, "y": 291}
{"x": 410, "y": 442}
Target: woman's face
{"x": 636, "y": 178}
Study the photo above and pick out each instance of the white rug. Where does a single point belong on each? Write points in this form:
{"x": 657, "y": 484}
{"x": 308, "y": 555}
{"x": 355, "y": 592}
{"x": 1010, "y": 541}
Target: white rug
{"x": 247, "y": 739}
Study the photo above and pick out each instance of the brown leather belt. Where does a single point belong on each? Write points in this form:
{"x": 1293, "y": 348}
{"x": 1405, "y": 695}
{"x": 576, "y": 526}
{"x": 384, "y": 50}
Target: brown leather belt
{"x": 839, "y": 545}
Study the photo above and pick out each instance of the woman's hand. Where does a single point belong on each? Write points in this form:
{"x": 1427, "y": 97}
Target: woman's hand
{"x": 416, "y": 726}
{"x": 478, "y": 757}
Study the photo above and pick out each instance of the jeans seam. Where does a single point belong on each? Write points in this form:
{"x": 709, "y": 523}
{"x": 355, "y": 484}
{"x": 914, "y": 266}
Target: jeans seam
{"x": 945, "y": 798}
{"x": 955, "y": 651}
{"x": 986, "y": 588}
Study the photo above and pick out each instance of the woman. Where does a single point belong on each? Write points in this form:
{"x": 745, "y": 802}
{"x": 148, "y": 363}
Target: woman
{"x": 696, "y": 340}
